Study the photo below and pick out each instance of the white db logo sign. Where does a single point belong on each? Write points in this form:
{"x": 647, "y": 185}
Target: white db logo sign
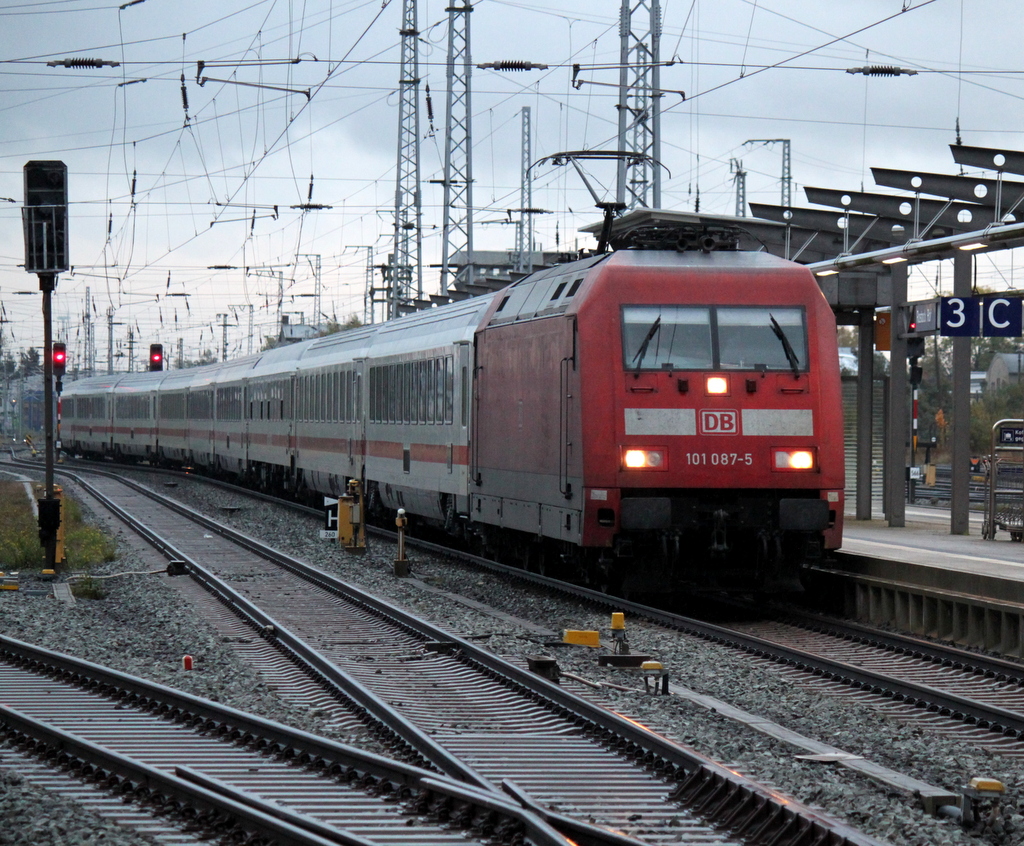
{"x": 719, "y": 422}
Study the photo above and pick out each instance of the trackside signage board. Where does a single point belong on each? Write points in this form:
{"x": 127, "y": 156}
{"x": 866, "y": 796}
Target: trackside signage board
{"x": 1011, "y": 436}
{"x": 986, "y": 317}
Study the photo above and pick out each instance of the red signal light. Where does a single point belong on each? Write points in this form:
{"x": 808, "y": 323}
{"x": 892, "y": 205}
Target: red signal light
{"x": 156, "y": 356}
{"x": 59, "y": 358}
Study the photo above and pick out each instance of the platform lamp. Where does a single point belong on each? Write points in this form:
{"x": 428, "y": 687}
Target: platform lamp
{"x": 45, "y": 223}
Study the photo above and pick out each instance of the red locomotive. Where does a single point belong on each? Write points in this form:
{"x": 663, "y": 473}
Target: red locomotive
{"x": 647, "y": 419}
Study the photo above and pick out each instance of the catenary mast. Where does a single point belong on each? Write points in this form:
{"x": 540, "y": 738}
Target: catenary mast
{"x": 457, "y": 232}
{"x": 639, "y": 180}
{"x": 406, "y": 270}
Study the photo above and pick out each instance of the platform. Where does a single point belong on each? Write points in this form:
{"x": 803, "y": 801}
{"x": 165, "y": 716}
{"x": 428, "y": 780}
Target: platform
{"x": 921, "y": 579}
{"x": 925, "y": 540}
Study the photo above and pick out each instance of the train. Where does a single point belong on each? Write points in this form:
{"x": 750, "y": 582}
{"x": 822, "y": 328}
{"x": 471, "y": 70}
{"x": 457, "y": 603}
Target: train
{"x": 643, "y": 420}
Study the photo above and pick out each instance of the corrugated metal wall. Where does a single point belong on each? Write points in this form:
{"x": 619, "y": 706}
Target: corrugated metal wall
{"x": 850, "y": 440}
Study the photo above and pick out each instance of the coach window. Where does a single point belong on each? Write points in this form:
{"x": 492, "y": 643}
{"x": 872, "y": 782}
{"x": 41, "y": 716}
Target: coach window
{"x": 427, "y": 403}
{"x": 407, "y": 413}
{"x": 391, "y": 393}
{"x": 666, "y": 337}
{"x": 378, "y": 394}
{"x": 449, "y": 389}
{"x": 757, "y": 338}
{"x": 423, "y": 391}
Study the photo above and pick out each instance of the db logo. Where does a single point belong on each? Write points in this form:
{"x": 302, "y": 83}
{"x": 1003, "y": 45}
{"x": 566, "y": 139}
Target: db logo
{"x": 719, "y": 422}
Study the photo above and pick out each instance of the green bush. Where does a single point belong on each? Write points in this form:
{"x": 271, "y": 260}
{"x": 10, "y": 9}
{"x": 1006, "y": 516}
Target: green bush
{"x": 84, "y": 545}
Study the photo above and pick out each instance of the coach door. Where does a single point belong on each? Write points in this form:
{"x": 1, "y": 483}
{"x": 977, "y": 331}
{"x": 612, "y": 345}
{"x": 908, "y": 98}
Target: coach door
{"x": 246, "y": 424}
{"x": 357, "y": 412}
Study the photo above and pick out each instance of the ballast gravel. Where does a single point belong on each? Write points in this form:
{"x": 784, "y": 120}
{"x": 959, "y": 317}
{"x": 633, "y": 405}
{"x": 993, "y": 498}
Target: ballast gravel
{"x": 143, "y": 626}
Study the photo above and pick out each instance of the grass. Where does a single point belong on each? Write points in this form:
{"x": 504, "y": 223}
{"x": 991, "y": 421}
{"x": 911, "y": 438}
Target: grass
{"x": 84, "y": 545}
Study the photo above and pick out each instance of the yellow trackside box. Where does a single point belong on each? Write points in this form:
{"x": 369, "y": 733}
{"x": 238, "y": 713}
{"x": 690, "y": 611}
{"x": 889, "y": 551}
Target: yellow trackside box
{"x": 581, "y": 638}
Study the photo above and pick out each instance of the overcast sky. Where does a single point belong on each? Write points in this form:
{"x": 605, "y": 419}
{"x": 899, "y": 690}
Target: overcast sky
{"x": 160, "y": 191}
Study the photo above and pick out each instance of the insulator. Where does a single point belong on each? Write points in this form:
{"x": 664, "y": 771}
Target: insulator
{"x": 882, "y": 70}
{"x": 514, "y": 65}
{"x": 81, "y": 63}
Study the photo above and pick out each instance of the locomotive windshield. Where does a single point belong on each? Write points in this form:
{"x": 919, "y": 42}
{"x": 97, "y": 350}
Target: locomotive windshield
{"x": 714, "y": 338}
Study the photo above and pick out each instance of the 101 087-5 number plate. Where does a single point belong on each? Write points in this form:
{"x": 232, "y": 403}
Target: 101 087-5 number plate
{"x": 720, "y": 459}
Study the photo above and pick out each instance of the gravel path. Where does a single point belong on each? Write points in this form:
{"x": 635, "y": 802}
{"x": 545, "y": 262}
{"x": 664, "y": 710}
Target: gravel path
{"x": 144, "y": 626}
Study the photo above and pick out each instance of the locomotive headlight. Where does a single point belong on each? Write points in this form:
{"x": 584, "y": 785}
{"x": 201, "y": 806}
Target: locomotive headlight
{"x": 795, "y": 459}
{"x": 717, "y": 385}
{"x": 643, "y": 459}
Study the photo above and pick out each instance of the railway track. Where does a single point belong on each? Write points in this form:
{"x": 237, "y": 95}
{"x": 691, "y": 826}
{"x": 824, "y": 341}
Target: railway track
{"x": 971, "y": 695}
{"x": 566, "y": 758}
{"x": 246, "y": 780}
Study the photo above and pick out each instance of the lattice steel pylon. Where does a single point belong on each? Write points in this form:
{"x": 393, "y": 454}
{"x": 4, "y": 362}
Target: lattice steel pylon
{"x": 639, "y": 181}
{"x": 740, "y": 178}
{"x": 787, "y": 166}
{"x": 523, "y": 261}
{"x": 406, "y": 270}
{"x": 457, "y": 231}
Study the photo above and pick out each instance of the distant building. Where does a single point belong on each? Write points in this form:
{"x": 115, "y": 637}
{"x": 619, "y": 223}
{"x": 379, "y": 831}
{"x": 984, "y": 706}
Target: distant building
{"x": 293, "y": 332}
{"x": 1004, "y": 369}
{"x": 979, "y": 380}
{"x": 848, "y": 361}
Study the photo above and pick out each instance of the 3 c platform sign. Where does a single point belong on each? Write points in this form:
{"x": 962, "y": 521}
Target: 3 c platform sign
{"x": 988, "y": 317}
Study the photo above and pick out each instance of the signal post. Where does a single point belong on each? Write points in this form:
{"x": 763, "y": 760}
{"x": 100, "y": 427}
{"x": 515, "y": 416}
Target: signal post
{"x": 44, "y": 221}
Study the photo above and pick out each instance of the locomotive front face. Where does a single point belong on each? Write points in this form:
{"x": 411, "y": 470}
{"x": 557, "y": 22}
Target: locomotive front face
{"x": 723, "y": 441}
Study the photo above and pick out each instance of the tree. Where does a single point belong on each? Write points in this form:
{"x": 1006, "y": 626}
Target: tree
{"x": 206, "y": 357}
{"x": 1005, "y": 403}
{"x": 983, "y": 350}
{"x": 332, "y": 327}
{"x": 847, "y": 337}
{"x": 29, "y": 362}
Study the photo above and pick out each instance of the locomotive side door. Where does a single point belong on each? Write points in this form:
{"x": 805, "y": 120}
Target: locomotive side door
{"x": 568, "y": 418}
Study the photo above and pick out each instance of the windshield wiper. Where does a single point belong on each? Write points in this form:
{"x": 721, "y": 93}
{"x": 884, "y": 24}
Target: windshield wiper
{"x": 794, "y": 363}
{"x": 640, "y": 353}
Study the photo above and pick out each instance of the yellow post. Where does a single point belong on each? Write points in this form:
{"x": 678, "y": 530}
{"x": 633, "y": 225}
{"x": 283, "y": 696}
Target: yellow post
{"x": 351, "y": 528}
{"x": 401, "y": 563}
{"x": 61, "y": 555}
